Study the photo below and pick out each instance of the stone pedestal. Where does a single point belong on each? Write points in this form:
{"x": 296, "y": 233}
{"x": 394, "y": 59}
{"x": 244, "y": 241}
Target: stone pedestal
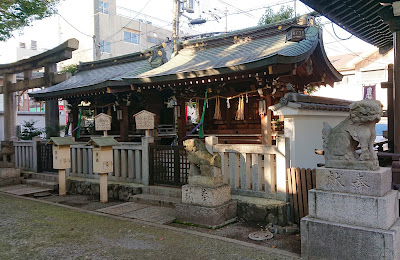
{"x": 353, "y": 214}
{"x": 207, "y": 202}
{"x": 9, "y": 176}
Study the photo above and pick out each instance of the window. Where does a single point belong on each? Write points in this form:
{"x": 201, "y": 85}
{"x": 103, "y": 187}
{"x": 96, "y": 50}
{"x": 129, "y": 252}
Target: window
{"x": 131, "y": 37}
{"x": 105, "y": 46}
{"x": 33, "y": 45}
{"x": 103, "y": 7}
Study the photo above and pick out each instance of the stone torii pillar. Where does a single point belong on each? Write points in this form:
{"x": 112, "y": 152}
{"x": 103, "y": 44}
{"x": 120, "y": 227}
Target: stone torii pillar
{"x": 10, "y": 107}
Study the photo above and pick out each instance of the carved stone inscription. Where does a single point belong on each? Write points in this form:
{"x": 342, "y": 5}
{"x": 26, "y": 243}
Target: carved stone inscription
{"x": 369, "y": 183}
{"x": 102, "y": 122}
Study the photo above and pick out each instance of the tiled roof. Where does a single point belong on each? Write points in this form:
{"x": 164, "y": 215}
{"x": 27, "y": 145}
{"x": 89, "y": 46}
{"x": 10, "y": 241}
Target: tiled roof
{"x": 92, "y": 76}
{"x": 301, "y": 101}
{"x": 362, "y": 18}
{"x": 239, "y": 50}
{"x": 103, "y": 141}
{"x": 61, "y": 141}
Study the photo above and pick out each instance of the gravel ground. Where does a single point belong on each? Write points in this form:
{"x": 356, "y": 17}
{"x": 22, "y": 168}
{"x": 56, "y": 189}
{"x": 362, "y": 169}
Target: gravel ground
{"x": 35, "y": 230}
{"x": 241, "y": 231}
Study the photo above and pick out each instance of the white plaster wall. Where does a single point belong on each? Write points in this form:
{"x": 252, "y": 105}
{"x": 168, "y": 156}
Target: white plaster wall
{"x": 304, "y": 130}
{"x": 21, "y": 117}
{"x": 1, "y": 103}
{"x": 305, "y": 133}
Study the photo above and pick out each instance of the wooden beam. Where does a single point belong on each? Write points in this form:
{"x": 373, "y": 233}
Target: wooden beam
{"x": 35, "y": 83}
{"x": 57, "y": 54}
{"x": 396, "y": 90}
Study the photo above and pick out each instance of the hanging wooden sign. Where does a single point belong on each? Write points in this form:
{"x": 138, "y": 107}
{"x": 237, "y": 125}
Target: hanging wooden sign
{"x": 144, "y": 120}
{"x": 102, "y": 122}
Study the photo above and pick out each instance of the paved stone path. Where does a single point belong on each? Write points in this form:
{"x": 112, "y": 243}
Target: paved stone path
{"x": 154, "y": 214}
{"x": 23, "y": 190}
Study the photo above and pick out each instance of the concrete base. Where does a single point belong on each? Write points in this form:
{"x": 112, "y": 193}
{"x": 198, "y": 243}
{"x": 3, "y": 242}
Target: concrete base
{"x": 353, "y": 209}
{"x": 212, "y": 217}
{"x": 9, "y": 176}
{"x": 356, "y": 165}
{"x": 327, "y": 240}
{"x": 370, "y": 183}
{"x": 206, "y": 181}
{"x": 206, "y": 196}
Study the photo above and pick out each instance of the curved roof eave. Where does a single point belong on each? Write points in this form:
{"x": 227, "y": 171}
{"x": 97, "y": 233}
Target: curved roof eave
{"x": 266, "y": 61}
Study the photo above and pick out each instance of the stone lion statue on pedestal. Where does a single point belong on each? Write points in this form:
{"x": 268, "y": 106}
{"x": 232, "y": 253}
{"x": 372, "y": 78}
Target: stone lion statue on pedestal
{"x": 200, "y": 159}
{"x": 358, "y": 129}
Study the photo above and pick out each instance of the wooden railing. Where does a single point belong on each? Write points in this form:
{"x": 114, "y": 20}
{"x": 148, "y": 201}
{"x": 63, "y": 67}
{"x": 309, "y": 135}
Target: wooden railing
{"x": 253, "y": 169}
{"x": 131, "y": 162}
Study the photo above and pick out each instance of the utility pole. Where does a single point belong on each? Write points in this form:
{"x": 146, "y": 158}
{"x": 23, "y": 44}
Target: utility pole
{"x": 175, "y": 25}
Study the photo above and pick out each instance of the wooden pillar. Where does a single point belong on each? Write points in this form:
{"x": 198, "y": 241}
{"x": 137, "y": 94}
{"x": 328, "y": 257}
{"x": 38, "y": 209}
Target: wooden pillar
{"x": 389, "y": 86}
{"x": 51, "y": 106}
{"x": 124, "y": 124}
{"x": 103, "y": 188}
{"x": 10, "y": 108}
{"x": 181, "y": 119}
{"x": 396, "y": 91}
{"x": 75, "y": 118}
{"x": 266, "y": 131}
{"x": 62, "y": 191}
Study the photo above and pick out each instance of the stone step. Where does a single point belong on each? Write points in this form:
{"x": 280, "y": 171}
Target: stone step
{"x": 173, "y": 192}
{"x": 41, "y": 183}
{"x": 52, "y": 177}
{"x": 155, "y": 200}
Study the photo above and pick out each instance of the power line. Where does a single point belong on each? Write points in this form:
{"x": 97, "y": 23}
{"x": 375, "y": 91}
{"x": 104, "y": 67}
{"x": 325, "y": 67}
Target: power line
{"x": 225, "y": 3}
{"x": 258, "y": 8}
{"x": 91, "y": 36}
{"x": 129, "y": 21}
{"x": 333, "y": 29}
{"x": 365, "y": 58}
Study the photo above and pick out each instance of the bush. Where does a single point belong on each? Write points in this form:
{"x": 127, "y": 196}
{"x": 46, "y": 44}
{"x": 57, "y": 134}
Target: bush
{"x": 29, "y": 130}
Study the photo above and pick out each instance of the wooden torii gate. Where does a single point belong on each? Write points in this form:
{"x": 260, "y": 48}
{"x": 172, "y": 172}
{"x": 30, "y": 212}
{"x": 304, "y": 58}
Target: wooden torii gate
{"x": 48, "y": 60}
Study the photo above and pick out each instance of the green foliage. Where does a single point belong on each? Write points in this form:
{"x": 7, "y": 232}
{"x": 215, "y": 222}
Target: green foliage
{"x": 270, "y": 16}
{"x": 52, "y": 131}
{"x": 16, "y": 14}
{"x": 311, "y": 89}
{"x": 70, "y": 68}
{"x": 29, "y": 130}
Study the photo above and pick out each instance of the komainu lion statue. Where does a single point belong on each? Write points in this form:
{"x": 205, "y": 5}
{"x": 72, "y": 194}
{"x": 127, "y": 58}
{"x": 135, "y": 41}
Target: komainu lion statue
{"x": 199, "y": 158}
{"x": 358, "y": 129}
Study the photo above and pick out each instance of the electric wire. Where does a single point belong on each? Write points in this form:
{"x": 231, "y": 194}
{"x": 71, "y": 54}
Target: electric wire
{"x": 129, "y": 21}
{"x": 91, "y": 36}
{"x": 333, "y": 29}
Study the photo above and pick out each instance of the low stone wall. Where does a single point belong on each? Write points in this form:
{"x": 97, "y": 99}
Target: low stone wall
{"x": 115, "y": 191}
{"x": 256, "y": 210}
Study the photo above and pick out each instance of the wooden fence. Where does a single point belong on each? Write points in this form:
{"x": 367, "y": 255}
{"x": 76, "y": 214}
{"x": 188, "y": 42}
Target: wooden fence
{"x": 253, "y": 169}
{"x": 26, "y": 155}
{"x": 300, "y": 181}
